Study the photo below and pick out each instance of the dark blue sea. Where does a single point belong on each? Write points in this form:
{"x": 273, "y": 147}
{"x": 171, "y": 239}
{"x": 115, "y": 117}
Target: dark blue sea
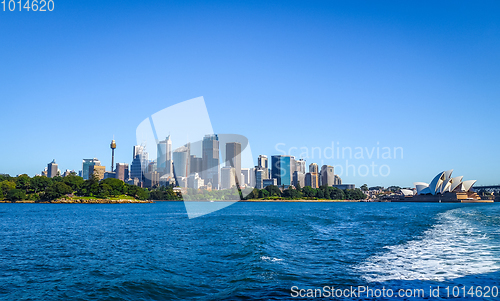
{"x": 249, "y": 251}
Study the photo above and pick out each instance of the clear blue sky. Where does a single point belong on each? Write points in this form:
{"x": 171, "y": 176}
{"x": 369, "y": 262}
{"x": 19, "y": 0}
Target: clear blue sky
{"x": 423, "y": 76}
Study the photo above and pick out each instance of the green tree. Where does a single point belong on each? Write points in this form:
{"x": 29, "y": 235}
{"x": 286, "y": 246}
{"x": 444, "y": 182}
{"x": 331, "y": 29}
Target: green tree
{"x": 309, "y": 192}
{"x": 117, "y": 186}
{"x": 73, "y": 181}
{"x": 7, "y": 186}
{"x": 364, "y": 187}
{"x": 39, "y": 183}
{"x": 23, "y": 182}
{"x": 263, "y": 194}
{"x": 16, "y": 195}
{"x": 273, "y": 190}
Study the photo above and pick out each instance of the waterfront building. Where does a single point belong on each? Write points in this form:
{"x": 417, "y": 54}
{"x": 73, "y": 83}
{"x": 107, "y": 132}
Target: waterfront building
{"x": 97, "y": 170}
{"x": 164, "y": 156}
{"x": 281, "y": 169}
{"x": 233, "y": 159}
{"x": 445, "y": 188}
{"x": 269, "y": 182}
{"x": 327, "y": 175}
{"x": 228, "y": 177}
{"x": 210, "y": 155}
{"x": 52, "y": 169}
{"x": 337, "y": 181}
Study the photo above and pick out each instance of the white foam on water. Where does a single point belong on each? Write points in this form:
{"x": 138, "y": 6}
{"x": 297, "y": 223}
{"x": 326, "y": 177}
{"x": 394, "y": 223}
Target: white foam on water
{"x": 267, "y": 258}
{"x": 451, "y": 249}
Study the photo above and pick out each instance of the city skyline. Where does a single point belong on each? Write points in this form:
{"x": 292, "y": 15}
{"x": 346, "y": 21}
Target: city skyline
{"x": 300, "y": 75}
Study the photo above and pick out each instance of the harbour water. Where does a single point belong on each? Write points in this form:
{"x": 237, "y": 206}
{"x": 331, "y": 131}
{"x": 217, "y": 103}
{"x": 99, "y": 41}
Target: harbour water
{"x": 245, "y": 251}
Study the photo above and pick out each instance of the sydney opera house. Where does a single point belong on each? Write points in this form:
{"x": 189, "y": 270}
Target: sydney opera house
{"x": 443, "y": 188}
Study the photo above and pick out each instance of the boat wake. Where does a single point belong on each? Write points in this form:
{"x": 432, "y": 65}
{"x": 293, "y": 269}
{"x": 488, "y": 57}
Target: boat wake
{"x": 453, "y": 248}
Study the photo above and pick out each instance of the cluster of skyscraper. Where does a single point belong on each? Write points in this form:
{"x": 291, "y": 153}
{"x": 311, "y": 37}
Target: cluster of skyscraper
{"x": 180, "y": 168}
{"x": 286, "y": 171}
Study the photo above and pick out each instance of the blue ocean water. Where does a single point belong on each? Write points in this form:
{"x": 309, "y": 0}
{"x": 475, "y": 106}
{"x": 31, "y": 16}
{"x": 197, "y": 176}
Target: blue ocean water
{"x": 245, "y": 251}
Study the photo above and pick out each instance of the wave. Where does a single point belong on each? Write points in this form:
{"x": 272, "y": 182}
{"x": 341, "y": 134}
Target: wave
{"x": 454, "y": 247}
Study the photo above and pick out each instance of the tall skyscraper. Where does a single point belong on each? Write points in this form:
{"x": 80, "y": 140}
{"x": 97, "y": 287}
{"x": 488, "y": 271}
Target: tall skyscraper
{"x": 86, "y": 164}
{"x": 233, "y": 158}
{"x": 259, "y": 178}
{"x": 312, "y": 176}
{"x": 139, "y": 163}
{"x": 181, "y": 158}
{"x": 164, "y": 157}
{"x": 52, "y": 169}
{"x": 300, "y": 166}
{"x": 210, "y": 155}
{"x": 281, "y": 169}
{"x": 196, "y": 165}
{"x": 312, "y": 179}
{"x": 263, "y": 164}
{"x": 327, "y": 175}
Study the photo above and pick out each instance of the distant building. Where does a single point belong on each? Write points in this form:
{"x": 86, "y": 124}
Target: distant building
{"x": 121, "y": 171}
{"x": 139, "y": 163}
{"x": 152, "y": 179}
{"x": 195, "y": 165}
{"x": 109, "y": 174}
{"x": 210, "y": 155}
{"x": 263, "y": 163}
{"x": 164, "y": 156}
{"x": 181, "y": 159}
{"x": 312, "y": 177}
{"x": 233, "y": 158}
{"x": 194, "y": 181}
{"x": 68, "y": 173}
{"x": 345, "y": 186}
{"x": 299, "y": 178}
{"x": 269, "y": 182}
{"x": 338, "y": 180}
{"x": 228, "y": 178}
{"x": 300, "y": 166}
{"x": 246, "y": 173}
{"x": 98, "y": 170}
{"x": 327, "y": 175}
{"x": 52, "y": 169}
{"x": 259, "y": 178}
{"x": 281, "y": 169}
{"x": 86, "y": 164}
